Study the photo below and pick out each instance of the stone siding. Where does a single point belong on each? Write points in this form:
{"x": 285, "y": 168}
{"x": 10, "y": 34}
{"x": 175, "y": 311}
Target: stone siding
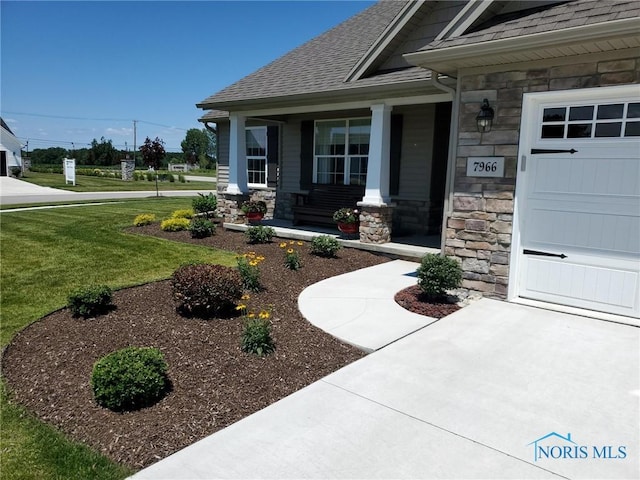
{"x": 480, "y": 227}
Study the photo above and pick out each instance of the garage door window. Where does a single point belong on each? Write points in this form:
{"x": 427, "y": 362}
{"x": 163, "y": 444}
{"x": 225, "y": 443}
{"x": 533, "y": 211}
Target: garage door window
{"x": 611, "y": 120}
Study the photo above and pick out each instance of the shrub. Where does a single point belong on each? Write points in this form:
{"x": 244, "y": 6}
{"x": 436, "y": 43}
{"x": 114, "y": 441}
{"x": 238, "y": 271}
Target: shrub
{"x": 151, "y": 176}
{"x": 130, "y": 379}
{"x": 438, "y": 273}
{"x": 256, "y": 337}
{"x": 181, "y": 178}
{"x": 259, "y": 234}
{"x": 324, "y": 246}
{"x": 183, "y": 213}
{"x": 205, "y": 203}
{"x": 175, "y": 224}
{"x": 172, "y": 179}
{"x": 206, "y": 290}
{"x": 249, "y": 271}
{"x": 291, "y": 255}
{"x": 201, "y": 228}
{"x": 89, "y": 301}
{"x": 15, "y": 172}
{"x": 144, "y": 219}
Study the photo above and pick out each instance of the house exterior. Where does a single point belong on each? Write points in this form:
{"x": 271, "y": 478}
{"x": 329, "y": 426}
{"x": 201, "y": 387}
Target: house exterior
{"x": 10, "y": 150}
{"x": 540, "y": 203}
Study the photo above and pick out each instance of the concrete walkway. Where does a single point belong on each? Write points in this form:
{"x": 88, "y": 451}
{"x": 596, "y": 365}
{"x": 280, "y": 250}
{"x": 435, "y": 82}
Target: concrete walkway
{"x": 467, "y": 396}
{"x": 358, "y": 307}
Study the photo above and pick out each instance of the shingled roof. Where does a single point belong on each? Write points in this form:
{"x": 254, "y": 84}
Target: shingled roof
{"x": 322, "y": 64}
{"x": 557, "y": 17}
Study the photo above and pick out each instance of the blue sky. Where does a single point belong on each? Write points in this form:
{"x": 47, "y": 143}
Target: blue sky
{"x": 75, "y": 71}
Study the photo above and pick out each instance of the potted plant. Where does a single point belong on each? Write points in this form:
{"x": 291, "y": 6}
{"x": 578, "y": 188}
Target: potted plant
{"x": 347, "y": 220}
{"x": 254, "y": 209}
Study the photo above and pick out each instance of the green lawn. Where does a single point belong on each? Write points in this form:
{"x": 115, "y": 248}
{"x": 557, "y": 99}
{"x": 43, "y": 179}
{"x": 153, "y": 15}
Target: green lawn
{"x": 85, "y": 183}
{"x": 47, "y": 253}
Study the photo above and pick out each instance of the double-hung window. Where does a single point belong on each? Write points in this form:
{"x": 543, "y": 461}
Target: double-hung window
{"x": 341, "y": 151}
{"x": 256, "y": 145}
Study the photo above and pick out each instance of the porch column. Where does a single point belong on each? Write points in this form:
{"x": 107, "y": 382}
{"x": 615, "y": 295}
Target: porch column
{"x": 237, "y": 156}
{"x": 377, "y": 188}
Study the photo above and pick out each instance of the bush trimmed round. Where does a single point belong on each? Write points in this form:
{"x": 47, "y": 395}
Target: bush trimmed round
{"x": 437, "y": 274}
{"x": 205, "y": 290}
{"x": 89, "y": 301}
{"x": 130, "y": 379}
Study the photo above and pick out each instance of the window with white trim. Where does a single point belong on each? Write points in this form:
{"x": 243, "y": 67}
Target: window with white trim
{"x": 341, "y": 151}
{"x": 256, "y": 151}
{"x": 608, "y": 120}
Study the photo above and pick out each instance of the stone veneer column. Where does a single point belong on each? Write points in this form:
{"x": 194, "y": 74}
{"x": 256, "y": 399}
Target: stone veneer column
{"x": 229, "y": 207}
{"x": 127, "y": 167}
{"x": 375, "y": 223}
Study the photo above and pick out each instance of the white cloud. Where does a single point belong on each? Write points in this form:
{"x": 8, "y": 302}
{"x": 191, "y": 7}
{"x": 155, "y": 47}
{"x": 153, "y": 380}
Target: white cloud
{"x": 122, "y": 132}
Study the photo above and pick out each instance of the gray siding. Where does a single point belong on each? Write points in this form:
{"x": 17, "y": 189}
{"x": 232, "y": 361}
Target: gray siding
{"x": 417, "y": 152}
{"x": 223, "y": 153}
{"x": 290, "y": 159}
{"x": 424, "y": 31}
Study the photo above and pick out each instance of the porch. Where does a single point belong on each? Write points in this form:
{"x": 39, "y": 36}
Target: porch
{"x": 412, "y": 247}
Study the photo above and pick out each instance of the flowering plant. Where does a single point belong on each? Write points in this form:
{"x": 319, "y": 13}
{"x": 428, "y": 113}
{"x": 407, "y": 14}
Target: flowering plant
{"x": 256, "y": 337}
{"x": 291, "y": 256}
{"x": 254, "y": 206}
{"x": 346, "y": 215}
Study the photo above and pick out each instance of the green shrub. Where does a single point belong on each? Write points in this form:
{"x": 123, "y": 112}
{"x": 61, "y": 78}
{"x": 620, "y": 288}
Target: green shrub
{"x": 172, "y": 179}
{"x": 324, "y": 246}
{"x": 175, "y": 224}
{"x": 15, "y": 172}
{"x": 201, "y": 228}
{"x": 249, "y": 271}
{"x": 206, "y": 204}
{"x": 130, "y": 379}
{"x": 206, "y": 290}
{"x": 151, "y": 176}
{"x": 183, "y": 213}
{"x": 256, "y": 337}
{"x": 144, "y": 219}
{"x": 260, "y": 234}
{"x": 181, "y": 178}
{"x": 89, "y": 301}
{"x": 437, "y": 274}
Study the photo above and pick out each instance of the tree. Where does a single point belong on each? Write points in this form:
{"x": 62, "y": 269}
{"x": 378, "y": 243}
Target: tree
{"x": 198, "y": 146}
{"x": 103, "y": 153}
{"x": 153, "y": 152}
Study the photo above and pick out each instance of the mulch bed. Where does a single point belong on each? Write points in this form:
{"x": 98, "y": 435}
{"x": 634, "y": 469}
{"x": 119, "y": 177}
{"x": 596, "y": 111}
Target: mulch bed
{"x": 415, "y": 301}
{"x": 214, "y": 383}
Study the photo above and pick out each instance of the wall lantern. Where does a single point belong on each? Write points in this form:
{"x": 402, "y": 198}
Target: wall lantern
{"x": 484, "y": 120}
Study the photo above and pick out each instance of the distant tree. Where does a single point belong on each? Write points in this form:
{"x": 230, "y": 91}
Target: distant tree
{"x": 153, "y": 152}
{"x": 198, "y": 146}
{"x": 103, "y": 153}
{"x": 52, "y": 155}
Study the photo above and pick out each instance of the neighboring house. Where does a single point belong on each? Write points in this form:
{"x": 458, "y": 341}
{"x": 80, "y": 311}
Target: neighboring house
{"x": 540, "y": 204}
{"x": 10, "y": 150}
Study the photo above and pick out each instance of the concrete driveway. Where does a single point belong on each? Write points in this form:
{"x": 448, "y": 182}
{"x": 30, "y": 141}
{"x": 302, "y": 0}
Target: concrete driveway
{"x": 14, "y": 191}
{"x": 496, "y": 390}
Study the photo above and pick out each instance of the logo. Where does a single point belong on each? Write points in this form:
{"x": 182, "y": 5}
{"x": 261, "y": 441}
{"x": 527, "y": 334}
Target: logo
{"x": 554, "y": 446}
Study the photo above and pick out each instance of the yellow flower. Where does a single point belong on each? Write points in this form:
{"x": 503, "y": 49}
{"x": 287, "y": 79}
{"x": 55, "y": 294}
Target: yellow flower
{"x": 264, "y": 314}
{"x": 253, "y": 263}
{"x": 300, "y": 244}
{"x": 290, "y": 250}
{"x": 260, "y": 258}
{"x": 291, "y": 242}
{"x": 283, "y": 245}
{"x": 241, "y": 307}
{"x": 246, "y": 296}
{"x": 251, "y": 315}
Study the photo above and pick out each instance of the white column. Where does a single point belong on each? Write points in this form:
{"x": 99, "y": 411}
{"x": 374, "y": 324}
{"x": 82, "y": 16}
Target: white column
{"x": 377, "y": 188}
{"x": 237, "y": 155}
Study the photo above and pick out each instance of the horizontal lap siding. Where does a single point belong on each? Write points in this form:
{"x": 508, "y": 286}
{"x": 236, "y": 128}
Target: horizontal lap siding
{"x": 290, "y": 160}
{"x": 223, "y": 153}
{"x": 417, "y": 152}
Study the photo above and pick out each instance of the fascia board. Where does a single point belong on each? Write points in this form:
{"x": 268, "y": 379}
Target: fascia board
{"x": 393, "y": 29}
{"x": 556, "y": 38}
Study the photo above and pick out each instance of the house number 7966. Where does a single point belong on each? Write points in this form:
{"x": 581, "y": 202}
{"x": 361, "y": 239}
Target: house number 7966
{"x": 485, "y": 166}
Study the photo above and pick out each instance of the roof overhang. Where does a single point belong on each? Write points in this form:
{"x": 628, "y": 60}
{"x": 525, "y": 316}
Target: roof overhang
{"x": 595, "y": 38}
{"x": 315, "y": 100}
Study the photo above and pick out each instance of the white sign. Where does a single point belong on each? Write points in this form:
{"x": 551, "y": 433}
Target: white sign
{"x": 485, "y": 167}
{"x": 70, "y": 170}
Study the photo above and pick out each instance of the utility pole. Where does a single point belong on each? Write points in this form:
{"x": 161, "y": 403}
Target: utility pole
{"x": 134, "y": 142}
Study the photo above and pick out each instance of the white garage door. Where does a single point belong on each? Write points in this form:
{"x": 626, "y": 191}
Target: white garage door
{"x": 578, "y": 198}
